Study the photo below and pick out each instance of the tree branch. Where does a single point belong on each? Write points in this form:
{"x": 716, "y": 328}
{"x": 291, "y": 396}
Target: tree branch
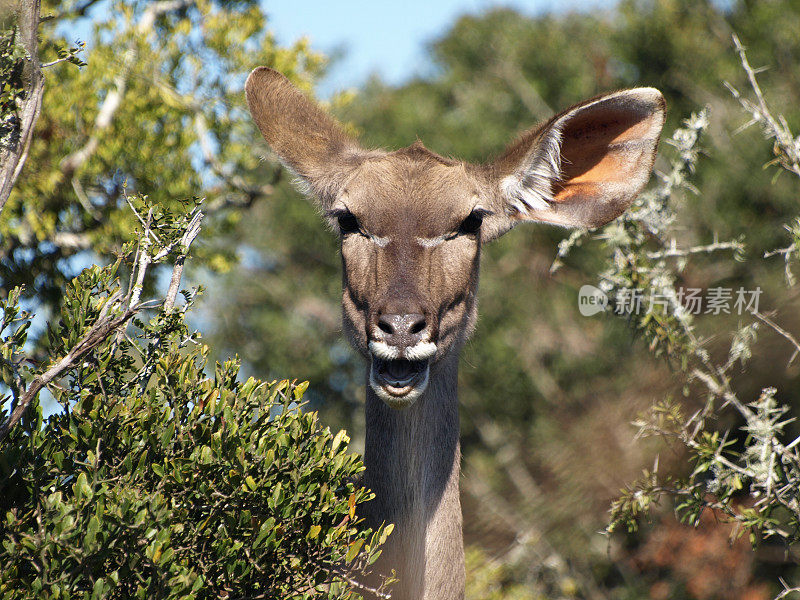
{"x": 511, "y": 74}
{"x": 78, "y": 11}
{"x": 13, "y": 158}
{"x": 113, "y": 99}
{"x": 781, "y": 331}
{"x": 787, "y": 148}
{"x": 250, "y": 192}
{"x": 177, "y": 271}
{"x": 99, "y": 332}
{"x": 674, "y": 252}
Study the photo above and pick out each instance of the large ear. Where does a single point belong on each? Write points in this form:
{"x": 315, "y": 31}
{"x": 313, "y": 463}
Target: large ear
{"x": 307, "y": 140}
{"x": 585, "y": 166}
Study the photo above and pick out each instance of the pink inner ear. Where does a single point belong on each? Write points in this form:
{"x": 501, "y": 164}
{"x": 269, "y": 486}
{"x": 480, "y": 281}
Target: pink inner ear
{"x": 603, "y": 150}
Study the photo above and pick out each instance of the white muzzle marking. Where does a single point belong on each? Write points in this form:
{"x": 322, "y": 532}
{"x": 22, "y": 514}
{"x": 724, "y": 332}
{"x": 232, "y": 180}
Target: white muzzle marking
{"x": 419, "y": 351}
{"x": 400, "y": 394}
{"x": 384, "y": 350}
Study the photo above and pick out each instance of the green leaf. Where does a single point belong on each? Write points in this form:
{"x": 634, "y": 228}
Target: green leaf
{"x": 353, "y": 550}
{"x": 340, "y": 437}
{"x": 81, "y": 488}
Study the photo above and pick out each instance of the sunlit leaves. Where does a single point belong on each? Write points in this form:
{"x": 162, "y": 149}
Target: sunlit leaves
{"x": 159, "y": 108}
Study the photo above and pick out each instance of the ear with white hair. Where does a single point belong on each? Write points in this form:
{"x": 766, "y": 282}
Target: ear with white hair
{"x": 583, "y": 167}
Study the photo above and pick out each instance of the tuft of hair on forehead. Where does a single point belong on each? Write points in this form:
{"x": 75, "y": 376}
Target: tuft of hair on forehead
{"x": 418, "y": 152}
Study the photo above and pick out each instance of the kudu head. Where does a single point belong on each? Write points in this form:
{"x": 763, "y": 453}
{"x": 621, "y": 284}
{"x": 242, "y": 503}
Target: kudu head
{"x": 412, "y": 222}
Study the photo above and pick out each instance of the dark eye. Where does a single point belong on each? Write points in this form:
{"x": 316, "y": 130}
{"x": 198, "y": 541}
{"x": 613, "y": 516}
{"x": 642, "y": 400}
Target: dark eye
{"x": 348, "y": 223}
{"x": 472, "y": 223}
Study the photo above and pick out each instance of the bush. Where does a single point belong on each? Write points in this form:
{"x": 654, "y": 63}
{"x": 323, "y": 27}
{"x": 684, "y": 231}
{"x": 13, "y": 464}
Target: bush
{"x": 155, "y": 480}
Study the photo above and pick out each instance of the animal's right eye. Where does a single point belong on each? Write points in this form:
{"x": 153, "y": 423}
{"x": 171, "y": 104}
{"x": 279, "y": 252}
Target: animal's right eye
{"x": 473, "y": 222}
{"x": 348, "y": 223}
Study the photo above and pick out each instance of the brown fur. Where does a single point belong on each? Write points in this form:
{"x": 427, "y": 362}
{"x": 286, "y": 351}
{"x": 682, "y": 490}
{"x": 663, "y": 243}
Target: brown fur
{"x": 410, "y": 257}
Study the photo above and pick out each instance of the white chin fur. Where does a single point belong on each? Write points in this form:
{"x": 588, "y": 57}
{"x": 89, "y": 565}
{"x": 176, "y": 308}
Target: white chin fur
{"x": 398, "y": 401}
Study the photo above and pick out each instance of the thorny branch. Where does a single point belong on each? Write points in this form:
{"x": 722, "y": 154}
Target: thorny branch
{"x": 786, "y": 146}
{"x": 781, "y": 331}
{"x": 787, "y": 590}
{"x": 761, "y": 464}
{"x": 790, "y": 251}
{"x": 674, "y": 252}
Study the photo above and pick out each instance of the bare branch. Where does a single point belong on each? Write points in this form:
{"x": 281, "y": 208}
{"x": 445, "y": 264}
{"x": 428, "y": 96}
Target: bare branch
{"x": 177, "y": 271}
{"x": 142, "y": 262}
{"x": 53, "y": 63}
{"x": 61, "y": 239}
{"x": 84, "y": 200}
{"x": 145, "y": 222}
{"x": 782, "y": 332}
{"x": 13, "y": 158}
{"x": 345, "y": 576}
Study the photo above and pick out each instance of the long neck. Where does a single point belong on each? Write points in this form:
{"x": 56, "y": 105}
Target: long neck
{"x": 412, "y": 460}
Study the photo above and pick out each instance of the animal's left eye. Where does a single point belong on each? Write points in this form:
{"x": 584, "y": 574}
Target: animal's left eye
{"x": 348, "y": 223}
{"x": 472, "y": 223}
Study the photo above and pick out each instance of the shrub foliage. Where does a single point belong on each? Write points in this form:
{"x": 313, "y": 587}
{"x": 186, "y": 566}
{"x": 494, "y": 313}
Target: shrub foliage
{"x": 156, "y": 480}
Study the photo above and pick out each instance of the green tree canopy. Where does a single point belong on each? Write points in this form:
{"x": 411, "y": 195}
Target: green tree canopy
{"x": 158, "y": 107}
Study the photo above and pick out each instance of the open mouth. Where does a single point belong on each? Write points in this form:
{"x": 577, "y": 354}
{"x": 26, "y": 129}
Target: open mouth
{"x": 399, "y": 382}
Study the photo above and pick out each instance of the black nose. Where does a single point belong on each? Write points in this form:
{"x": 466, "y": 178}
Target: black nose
{"x": 403, "y": 330}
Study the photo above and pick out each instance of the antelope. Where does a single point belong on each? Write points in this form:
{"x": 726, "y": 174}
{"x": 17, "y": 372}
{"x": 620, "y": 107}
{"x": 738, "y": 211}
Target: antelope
{"x": 412, "y": 224}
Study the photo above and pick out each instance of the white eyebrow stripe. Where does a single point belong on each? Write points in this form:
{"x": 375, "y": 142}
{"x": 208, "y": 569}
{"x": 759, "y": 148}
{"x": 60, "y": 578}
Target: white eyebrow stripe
{"x": 379, "y": 241}
{"x": 431, "y": 242}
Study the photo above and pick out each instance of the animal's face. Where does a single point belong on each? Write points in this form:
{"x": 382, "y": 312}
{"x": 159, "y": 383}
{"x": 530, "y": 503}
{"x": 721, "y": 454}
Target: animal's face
{"x": 412, "y": 222}
{"x": 410, "y": 226}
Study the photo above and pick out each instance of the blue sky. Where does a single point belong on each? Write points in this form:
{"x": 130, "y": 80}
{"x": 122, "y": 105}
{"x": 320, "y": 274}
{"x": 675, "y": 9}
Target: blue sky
{"x": 389, "y": 38}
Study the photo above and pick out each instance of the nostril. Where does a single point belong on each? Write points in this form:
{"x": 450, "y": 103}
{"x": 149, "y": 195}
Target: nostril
{"x": 418, "y": 326}
{"x": 400, "y": 329}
